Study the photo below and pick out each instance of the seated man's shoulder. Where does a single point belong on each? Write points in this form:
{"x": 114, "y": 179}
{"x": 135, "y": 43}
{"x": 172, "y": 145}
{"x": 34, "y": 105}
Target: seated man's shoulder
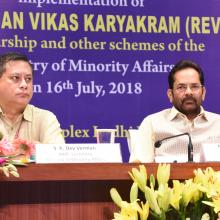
{"x": 212, "y": 115}
{"x": 38, "y": 111}
{"x": 159, "y": 114}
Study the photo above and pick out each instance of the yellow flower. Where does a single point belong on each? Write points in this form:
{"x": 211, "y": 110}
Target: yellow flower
{"x": 130, "y": 209}
{"x": 119, "y": 216}
{"x": 144, "y": 212}
{"x": 164, "y": 197}
{"x": 139, "y": 176}
{"x": 9, "y": 169}
{"x": 24, "y": 160}
{"x": 163, "y": 173}
{"x": 5, "y": 170}
{"x": 12, "y": 170}
{"x": 215, "y": 204}
{"x": 15, "y": 173}
{"x": 134, "y": 192}
{"x": 183, "y": 193}
{"x": 208, "y": 181}
{"x": 151, "y": 197}
{"x": 116, "y": 197}
{"x": 152, "y": 181}
{"x": 176, "y": 194}
{"x": 189, "y": 190}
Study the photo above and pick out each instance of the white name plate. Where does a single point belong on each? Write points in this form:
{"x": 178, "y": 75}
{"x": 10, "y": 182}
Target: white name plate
{"x": 78, "y": 153}
{"x": 210, "y": 152}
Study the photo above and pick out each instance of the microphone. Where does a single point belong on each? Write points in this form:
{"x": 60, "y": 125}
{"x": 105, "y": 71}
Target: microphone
{"x": 157, "y": 144}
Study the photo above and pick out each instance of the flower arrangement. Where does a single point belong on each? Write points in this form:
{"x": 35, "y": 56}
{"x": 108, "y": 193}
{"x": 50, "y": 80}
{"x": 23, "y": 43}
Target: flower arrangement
{"x": 12, "y": 154}
{"x": 193, "y": 199}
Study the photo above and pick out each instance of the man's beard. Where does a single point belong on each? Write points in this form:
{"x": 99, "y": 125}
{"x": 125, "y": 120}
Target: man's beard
{"x": 189, "y": 111}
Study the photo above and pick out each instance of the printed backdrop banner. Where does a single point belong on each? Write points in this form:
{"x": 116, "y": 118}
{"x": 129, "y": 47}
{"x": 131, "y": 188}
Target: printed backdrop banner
{"x": 104, "y": 63}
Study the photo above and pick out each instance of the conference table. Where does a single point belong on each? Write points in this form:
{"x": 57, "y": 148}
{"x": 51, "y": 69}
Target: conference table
{"x": 74, "y": 191}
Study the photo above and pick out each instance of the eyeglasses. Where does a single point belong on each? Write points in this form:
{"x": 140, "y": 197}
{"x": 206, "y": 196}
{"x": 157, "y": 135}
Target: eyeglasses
{"x": 193, "y": 87}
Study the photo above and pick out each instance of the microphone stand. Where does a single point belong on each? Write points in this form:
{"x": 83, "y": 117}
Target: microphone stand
{"x": 190, "y": 149}
{"x": 157, "y": 144}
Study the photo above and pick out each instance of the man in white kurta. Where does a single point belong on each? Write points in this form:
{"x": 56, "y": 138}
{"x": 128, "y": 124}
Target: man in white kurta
{"x": 186, "y": 92}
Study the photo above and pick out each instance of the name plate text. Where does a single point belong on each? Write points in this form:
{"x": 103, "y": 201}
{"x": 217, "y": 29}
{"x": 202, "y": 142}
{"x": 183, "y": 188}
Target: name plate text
{"x": 78, "y": 153}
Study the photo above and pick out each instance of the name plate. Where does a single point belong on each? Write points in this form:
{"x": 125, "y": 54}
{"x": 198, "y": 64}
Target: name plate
{"x": 210, "y": 152}
{"x": 78, "y": 153}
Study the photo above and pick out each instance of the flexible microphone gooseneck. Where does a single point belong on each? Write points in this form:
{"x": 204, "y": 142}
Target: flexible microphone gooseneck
{"x": 158, "y": 143}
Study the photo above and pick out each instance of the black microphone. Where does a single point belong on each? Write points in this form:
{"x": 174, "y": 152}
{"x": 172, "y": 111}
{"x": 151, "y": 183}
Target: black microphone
{"x": 157, "y": 144}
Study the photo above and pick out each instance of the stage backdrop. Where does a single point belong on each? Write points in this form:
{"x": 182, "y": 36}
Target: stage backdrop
{"x": 104, "y": 63}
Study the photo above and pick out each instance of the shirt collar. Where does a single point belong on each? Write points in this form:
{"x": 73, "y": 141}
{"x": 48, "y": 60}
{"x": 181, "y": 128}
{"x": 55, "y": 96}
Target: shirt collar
{"x": 174, "y": 113}
{"x": 28, "y": 113}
